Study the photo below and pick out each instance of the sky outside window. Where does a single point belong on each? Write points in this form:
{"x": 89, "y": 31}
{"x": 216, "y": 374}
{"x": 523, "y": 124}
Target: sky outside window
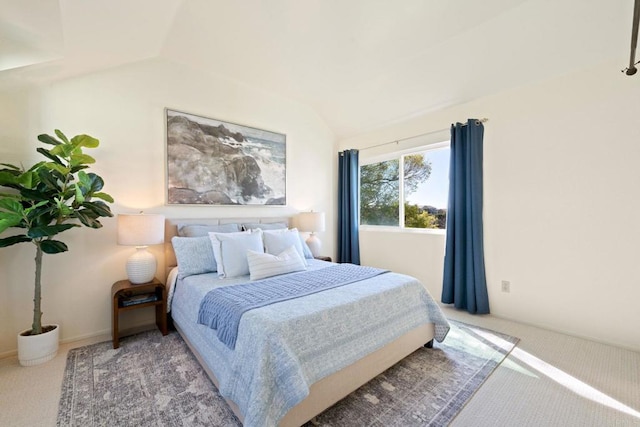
{"x": 434, "y": 192}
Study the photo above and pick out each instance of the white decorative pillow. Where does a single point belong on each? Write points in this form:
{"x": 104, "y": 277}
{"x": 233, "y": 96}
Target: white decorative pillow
{"x": 276, "y": 241}
{"x": 194, "y": 255}
{"x": 262, "y": 265}
{"x": 230, "y": 251}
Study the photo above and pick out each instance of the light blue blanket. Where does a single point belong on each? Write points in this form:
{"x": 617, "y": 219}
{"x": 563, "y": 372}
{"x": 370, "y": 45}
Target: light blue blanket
{"x": 283, "y": 348}
{"x": 222, "y": 308}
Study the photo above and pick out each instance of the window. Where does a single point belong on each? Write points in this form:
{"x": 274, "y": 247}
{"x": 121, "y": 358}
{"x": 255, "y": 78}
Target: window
{"x": 406, "y": 190}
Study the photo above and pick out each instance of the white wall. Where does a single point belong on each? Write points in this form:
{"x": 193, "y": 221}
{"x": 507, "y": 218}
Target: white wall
{"x": 124, "y": 108}
{"x": 561, "y": 202}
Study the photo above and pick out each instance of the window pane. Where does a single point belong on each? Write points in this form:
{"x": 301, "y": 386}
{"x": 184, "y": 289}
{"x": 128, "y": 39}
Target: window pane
{"x": 426, "y": 188}
{"x": 380, "y": 193}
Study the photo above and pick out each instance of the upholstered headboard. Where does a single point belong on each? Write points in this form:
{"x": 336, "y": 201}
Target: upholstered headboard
{"x": 171, "y": 229}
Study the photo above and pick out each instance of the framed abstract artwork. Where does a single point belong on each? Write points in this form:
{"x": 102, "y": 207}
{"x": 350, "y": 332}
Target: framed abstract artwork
{"x": 213, "y": 162}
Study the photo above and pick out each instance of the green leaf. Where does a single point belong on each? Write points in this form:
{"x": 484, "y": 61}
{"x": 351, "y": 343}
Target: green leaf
{"x": 83, "y": 187}
{"x": 100, "y": 208}
{"x": 10, "y": 166}
{"x": 75, "y": 169}
{"x": 81, "y": 159}
{"x": 92, "y": 182}
{"x": 35, "y": 195}
{"x": 55, "y": 209}
{"x": 84, "y": 141}
{"x": 49, "y": 230}
{"x": 104, "y": 196}
{"x": 63, "y": 150}
{"x": 79, "y": 195}
{"x": 69, "y": 194}
{"x": 8, "y": 220}
{"x": 48, "y": 155}
{"x": 84, "y": 179}
{"x": 17, "y": 179}
{"x": 41, "y": 214}
{"x": 61, "y": 169}
{"x": 48, "y": 176}
{"x": 53, "y": 246}
{"x": 12, "y": 240}
{"x": 36, "y": 206}
{"x": 65, "y": 210}
{"x": 88, "y": 218}
{"x": 28, "y": 179}
{"x": 48, "y": 139}
{"x": 61, "y": 135}
{"x": 11, "y": 204}
{"x": 9, "y": 178}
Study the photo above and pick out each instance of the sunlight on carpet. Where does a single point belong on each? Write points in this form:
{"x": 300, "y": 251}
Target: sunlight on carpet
{"x": 568, "y": 381}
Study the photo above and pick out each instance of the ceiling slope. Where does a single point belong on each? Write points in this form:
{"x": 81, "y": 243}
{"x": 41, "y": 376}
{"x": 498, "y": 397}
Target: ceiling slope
{"x": 359, "y": 64}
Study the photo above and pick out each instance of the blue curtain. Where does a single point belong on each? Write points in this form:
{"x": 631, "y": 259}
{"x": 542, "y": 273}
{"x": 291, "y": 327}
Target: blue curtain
{"x": 348, "y": 207}
{"x": 464, "y": 282}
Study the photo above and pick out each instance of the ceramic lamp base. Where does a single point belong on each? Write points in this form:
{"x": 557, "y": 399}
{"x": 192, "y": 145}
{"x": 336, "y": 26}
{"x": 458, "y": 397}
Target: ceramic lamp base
{"x": 141, "y": 266}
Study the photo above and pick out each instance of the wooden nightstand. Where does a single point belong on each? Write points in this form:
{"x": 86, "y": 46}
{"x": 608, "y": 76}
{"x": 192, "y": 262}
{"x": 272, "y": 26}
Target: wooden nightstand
{"x": 127, "y": 296}
{"x": 323, "y": 258}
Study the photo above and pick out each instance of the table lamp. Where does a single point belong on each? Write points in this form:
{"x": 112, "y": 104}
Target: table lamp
{"x": 312, "y": 222}
{"x": 140, "y": 230}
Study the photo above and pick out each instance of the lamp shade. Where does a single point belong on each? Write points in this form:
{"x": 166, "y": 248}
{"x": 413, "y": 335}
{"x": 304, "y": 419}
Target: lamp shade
{"x": 311, "y": 221}
{"x": 140, "y": 229}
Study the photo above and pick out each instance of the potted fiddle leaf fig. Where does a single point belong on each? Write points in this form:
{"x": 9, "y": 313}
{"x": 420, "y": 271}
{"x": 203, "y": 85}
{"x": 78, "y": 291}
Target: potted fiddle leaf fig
{"x": 38, "y": 204}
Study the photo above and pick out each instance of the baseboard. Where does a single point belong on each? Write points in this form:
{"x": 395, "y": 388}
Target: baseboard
{"x": 103, "y": 335}
{"x": 9, "y": 353}
{"x": 551, "y": 328}
{"x": 105, "y": 332}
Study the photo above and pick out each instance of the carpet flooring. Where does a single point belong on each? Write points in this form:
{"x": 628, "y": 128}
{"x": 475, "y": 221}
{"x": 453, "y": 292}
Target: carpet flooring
{"x": 153, "y": 380}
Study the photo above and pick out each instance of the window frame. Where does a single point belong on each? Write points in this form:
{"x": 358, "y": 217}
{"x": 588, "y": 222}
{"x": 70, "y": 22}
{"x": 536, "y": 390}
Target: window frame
{"x": 393, "y": 155}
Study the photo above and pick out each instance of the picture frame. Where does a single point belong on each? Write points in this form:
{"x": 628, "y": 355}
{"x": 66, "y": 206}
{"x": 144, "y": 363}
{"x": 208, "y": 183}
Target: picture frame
{"x": 215, "y": 162}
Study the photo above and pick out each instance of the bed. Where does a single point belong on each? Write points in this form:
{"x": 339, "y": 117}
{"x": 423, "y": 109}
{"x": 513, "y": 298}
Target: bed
{"x": 295, "y": 358}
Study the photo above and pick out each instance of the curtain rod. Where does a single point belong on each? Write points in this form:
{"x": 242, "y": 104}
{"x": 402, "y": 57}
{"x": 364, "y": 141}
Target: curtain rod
{"x": 397, "y": 141}
{"x": 632, "y": 69}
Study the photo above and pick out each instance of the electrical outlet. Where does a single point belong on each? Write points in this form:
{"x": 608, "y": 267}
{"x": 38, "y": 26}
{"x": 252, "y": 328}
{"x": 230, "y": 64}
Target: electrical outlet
{"x": 506, "y": 286}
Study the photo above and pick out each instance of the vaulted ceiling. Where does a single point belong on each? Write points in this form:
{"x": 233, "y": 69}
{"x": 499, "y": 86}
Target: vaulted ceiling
{"x": 359, "y": 64}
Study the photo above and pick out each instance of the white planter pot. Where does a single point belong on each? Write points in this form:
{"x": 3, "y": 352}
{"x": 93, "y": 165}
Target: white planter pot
{"x": 37, "y": 349}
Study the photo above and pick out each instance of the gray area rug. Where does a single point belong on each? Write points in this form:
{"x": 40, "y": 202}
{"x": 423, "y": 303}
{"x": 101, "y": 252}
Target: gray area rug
{"x": 153, "y": 380}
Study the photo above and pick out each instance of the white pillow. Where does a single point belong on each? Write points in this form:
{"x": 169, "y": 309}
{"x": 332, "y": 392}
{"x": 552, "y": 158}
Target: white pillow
{"x": 262, "y": 265}
{"x": 276, "y": 241}
{"x": 230, "y": 251}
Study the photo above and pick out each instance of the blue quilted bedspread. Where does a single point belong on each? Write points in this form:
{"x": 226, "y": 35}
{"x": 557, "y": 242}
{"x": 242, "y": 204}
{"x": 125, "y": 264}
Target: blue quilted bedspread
{"x": 222, "y": 308}
{"x": 283, "y": 348}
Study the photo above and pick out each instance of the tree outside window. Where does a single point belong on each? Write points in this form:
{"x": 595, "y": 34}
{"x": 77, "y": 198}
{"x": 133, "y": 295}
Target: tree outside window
{"x": 380, "y": 193}
{"x": 422, "y": 192}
